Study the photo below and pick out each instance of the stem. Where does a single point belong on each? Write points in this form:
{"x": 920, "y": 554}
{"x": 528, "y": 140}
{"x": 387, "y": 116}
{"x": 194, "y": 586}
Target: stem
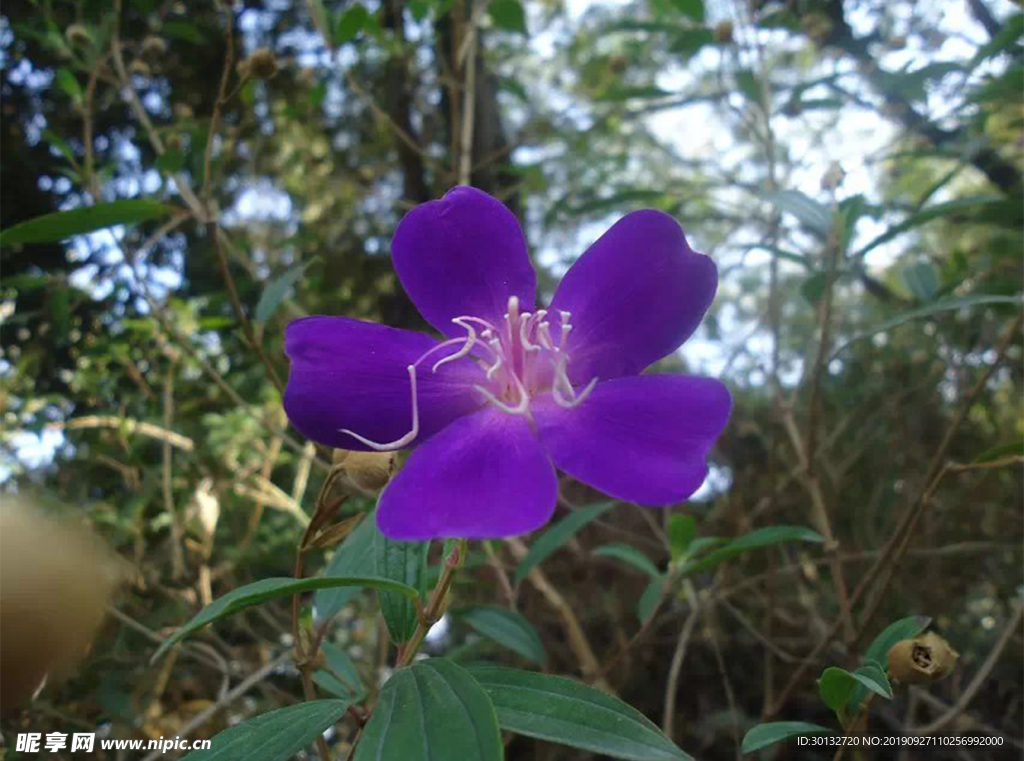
{"x": 437, "y": 599}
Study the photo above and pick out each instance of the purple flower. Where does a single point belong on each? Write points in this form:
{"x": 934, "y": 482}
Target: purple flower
{"x": 515, "y": 390}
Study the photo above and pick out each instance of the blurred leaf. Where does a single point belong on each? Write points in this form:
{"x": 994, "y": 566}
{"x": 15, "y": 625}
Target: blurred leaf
{"x": 274, "y": 736}
{"x": 269, "y": 589}
{"x": 762, "y": 537}
{"x": 183, "y": 32}
{"x": 764, "y": 735}
{"x": 61, "y": 145}
{"x": 813, "y": 288}
{"x": 1006, "y": 39}
{"x": 806, "y": 209}
{"x": 687, "y": 42}
{"x": 429, "y": 711}
{"x": 618, "y": 93}
{"x": 998, "y": 452}
{"x": 936, "y": 211}
{"x": 557, "y": 535}
{"x": 568, "y": 712}
{"x": 170, "y": 161}
{"x": 508, "y": 628}
{"x": 630, "y": 555}
{"x": 61, "y": 225}
{"x": 276, "y": 291}
{"x": 937, "y": 307}
{"x": 340, "y": 677}
{"x": 354, "y": 557}
{"x": 681, "y": 531}
{"x": 922, "y": 280}
{"x": 508, "y": 15}
{"x": 350, "y": 23}
{"x": 693, "y": 9}
{"x": 649, "y": 600}
{"x": 405, "y": 562}
{"x": 68, "y": 83}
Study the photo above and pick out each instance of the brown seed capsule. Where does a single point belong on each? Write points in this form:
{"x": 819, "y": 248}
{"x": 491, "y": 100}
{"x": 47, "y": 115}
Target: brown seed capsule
{"x": 139, "y": 67}
{"x": 369, "y": 471}
{"x": 922, "y": 660}
{"x": 723, "y": 32}
{"x": 262, "y": 64}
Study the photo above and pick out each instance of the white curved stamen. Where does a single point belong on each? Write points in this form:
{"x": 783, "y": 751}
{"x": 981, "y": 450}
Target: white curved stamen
{"x": 413, "y": 432}
{"x": 576, "y": 399}
{"x": 471, "y": 341}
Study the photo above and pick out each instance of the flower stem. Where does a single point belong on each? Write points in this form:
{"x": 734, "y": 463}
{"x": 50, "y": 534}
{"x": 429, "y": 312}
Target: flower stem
{"x": 432, "y": 612}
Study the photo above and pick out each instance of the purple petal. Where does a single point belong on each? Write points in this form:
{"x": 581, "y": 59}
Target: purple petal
{"x": 351, "y": 374}
{"x": 463, "y": 255}
{"x": 634, "y": 297}
{"x": 642, "y": 439}
{"x": 483, "y": 477}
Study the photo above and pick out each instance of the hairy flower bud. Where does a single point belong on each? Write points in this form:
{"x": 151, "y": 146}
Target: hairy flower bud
{"x": 262, "y": 64}
{"x": 154, "y": 47}
{"x": 922, "y": 660}
{"x": 369, "y": 471}
{"x": 77, "y": 34}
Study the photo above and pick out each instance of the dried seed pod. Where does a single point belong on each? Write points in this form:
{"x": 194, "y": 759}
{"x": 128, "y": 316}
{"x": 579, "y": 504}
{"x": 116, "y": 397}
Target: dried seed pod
{"x": 369, "y": 471}
{"x": 723, "y": 32}
{"x": 262, "y": 64}
{"x": 922, "y": 660}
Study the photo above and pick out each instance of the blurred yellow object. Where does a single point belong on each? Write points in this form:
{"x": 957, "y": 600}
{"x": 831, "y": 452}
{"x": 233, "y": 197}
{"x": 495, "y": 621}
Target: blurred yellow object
{"x": 55, "y": 581}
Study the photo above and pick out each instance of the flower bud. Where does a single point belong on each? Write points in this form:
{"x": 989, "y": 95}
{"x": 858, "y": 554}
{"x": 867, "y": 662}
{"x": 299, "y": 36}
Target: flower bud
{"x": 140, "y": 68}
{"x": 922, "y": 660}
{"x": 76, "y": 34}
{"x": 369, "y": 471}
{"x": 723, "y": 32}
{"x": 154, "y": 47}
{"x": 262, "y": 64}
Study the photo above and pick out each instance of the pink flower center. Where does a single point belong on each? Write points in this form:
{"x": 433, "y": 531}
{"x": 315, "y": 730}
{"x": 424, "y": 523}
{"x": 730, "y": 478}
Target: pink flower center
{"x": 521, "y": 359}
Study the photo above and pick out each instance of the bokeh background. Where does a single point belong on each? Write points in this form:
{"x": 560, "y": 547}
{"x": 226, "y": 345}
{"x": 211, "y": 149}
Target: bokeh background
{"x": 853, "y": 166}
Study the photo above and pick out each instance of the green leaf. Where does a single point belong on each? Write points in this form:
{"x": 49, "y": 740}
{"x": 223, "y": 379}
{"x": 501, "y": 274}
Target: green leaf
{"x": 630, "y": 555}
{"x": 813, "y": 288}
{"x": 508, "y": 15}
{"x": 693, "y": 9}
{"x": 762, "y": 537}
{"x": 764, "y": 735}
{"x": 998, "y": 452}
{"x": 405, "y": 562}
{"x": 67, "y": 82}
{"x": 806, "y": 209}
{"x": 649, "y": 600}
{"x": 946, "y": 305}
{"x": 922, "y": 280}
{"x": 508, "y": 628}
{"x": 836, "y": 686}
{"x": 429, "y": 711}
{"x": 274, "y": 736}
{"x": 63, "y": 224}
{"x": 354, "y": 557}
{"x": 557, "y": 535}
{"x": 269, "y": 589}
{"x": 350, "y": 23}
{"x": 568, "y": 712}
{"x": 183, "y": 32}
{"x": 340, "y": 676}
{"x": 688, "y": 41}
{"x": 276, "y": 290}
{"x": 681, "y": 531}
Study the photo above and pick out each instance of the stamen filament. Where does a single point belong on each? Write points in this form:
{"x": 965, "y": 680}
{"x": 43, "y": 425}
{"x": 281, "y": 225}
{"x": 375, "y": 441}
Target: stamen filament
{"x": 409, "y": 437}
